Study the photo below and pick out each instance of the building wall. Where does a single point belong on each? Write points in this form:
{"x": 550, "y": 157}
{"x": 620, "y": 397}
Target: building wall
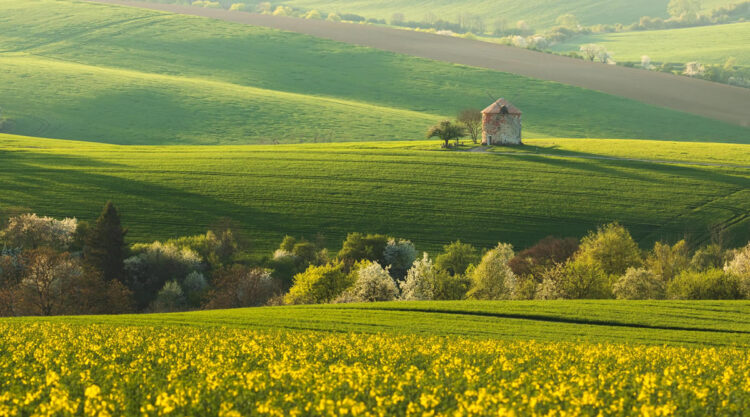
{"x": 505, "y": 129}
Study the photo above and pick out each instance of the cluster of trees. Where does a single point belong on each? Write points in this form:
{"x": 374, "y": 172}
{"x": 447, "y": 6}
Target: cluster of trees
{"x": 467, "y": 123}
{"x": 50, "y": 266}
{"x": 606, "y": 263}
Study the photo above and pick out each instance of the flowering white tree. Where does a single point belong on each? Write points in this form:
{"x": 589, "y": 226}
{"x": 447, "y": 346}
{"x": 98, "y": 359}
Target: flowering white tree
{"x": 373, "y": 283}
{"x": 594, "y": 52}
{"x": 646, "y": 62}
{"x": 693, "y": 69}
{"x": 640, "y": 284}
{"x": 519, "y": 41}
{"x": 740, "y": 268}
{"x": 30, "y": 231}
{"x": 419, "y": 282}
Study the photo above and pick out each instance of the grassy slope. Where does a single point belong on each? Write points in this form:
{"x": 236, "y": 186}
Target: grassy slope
{"x": 408, "y": 189}
{"x": 653, "y": 322}
{"x": 131, "y": 76}
{"x": 707, "y": 44}
{"x": 538, "y": 13}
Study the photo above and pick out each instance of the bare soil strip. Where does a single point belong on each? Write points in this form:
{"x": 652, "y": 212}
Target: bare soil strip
{"x": 713, "y": 100}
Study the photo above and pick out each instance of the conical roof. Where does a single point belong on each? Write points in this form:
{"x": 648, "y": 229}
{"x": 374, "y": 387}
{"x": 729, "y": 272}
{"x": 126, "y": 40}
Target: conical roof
{"x": 498, "y": 106}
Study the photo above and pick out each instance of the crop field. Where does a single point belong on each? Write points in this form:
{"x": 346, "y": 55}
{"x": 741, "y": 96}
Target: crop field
{"x": 385, "y": 359}
{"x": 408, "y": 189}
{"x": 707, "y": 44}
{"x": 134, "y": 76}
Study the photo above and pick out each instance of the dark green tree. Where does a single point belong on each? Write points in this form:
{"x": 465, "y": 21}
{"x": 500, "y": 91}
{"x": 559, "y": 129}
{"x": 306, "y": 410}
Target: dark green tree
{"x": 457, "y": 257}
{"x": 104, "y": 250}
{"x": 360, "y": 247}
{"x": 446, "y": 131}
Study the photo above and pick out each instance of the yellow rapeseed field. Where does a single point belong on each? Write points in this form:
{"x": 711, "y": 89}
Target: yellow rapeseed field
{"x": 62, "y": 369}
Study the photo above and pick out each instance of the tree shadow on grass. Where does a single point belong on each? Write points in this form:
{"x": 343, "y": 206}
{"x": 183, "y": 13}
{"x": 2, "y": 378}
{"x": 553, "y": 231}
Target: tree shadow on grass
{"x": 596, "y": 163}
{"x": 692, "y": 222}
{"x": 79, "y": 186}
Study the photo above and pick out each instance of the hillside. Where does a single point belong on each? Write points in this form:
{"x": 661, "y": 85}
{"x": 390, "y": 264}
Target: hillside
{"x": 706, "y": 44}
{"x": 407, "y": 189}
{"x": 133, "y": 76}
{"x": 538, "y": 13}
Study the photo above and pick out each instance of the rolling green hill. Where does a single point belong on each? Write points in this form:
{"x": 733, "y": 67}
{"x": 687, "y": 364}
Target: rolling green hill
{"x": 538, "y": 13}
{"x": 407, "y": 189}
{"x": 714, "y": 323}
{"x": 85, "y": 71}
{"x": 706, "y": 44}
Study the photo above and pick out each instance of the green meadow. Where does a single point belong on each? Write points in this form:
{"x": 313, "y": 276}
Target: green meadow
{"x": 709, "y": 323}
{"x": 705, "y": 44}
{"x": 412, "y": 190}
{"x": 538, "y": 13}
{"x": 94, "y": 72}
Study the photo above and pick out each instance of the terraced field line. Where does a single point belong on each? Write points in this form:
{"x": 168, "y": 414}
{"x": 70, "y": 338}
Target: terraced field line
{"x": 713, "y": 100}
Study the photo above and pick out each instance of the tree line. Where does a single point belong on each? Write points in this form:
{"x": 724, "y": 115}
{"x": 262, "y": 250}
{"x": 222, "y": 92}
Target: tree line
{"x": 51, "y": 267}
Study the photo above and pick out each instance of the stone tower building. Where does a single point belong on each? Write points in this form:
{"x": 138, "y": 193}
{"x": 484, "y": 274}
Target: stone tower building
{"x": 501, "y": 124}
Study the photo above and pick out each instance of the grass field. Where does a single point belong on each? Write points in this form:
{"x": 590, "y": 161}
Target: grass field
{"x": 538, "y": 13}
{"x": 707, "y": 44}
{"x": 709, "y": 323}
{"x": 408, "y": 189}
{"x": 436, "y": 358}
{"x": 132, "y": 76}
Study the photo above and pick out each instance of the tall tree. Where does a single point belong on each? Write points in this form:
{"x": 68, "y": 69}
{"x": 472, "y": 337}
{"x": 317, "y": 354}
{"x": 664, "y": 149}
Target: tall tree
{"x": 472, "y": 121}
{"x": 104, "y": 249}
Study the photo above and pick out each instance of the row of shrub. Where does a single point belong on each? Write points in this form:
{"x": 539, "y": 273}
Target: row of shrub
{"x": 606, "y": 263}
{"x": 50, "y": 266}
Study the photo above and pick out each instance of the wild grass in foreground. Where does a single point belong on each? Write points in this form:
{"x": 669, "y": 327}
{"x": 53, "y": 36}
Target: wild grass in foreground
{"x": 56, "y": 369}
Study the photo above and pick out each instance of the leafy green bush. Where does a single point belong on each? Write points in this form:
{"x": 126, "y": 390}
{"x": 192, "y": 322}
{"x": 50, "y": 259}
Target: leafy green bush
{"x": 665, "y": 261}
{"x": 493, "y": 279}
{"x": 170, "y": 298}
{"x": 360, "y": 247}
{"x": 319, "y": 284}
{"x": 712, "y": 284}
{"x": 457, "y": 257}
{"x": 707, "y": 257}
{"x": 640, "y": 284}
{"x": 610, "y": 248}
{"x": 578, "y": 279}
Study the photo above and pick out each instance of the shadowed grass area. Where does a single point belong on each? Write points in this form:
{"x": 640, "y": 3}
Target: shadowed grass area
{"x": 407, "y": 189}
